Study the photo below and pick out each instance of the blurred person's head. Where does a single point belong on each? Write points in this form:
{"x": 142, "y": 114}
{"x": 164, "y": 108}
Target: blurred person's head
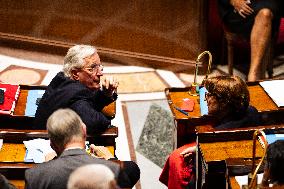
{"x": 275, "y": 162}
{"x": 92, "y": 176}
{"x": 5, "y": 184}
{"x": 226, "y": 96}
{"x": 65, "y": 129}
{"x": 82, "y": 63}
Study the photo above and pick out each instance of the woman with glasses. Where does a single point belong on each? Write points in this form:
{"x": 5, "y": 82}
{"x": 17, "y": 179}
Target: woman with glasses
{"x": 80, "y": 88}
{"x": 228, "y": 103}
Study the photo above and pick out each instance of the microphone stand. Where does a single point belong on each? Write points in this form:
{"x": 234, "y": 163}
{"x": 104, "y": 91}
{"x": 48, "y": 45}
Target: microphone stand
{"x": 194, "y": 89}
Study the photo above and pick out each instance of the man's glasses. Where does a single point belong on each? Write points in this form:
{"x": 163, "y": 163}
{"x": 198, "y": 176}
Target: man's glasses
{"x": 95, "y": 68}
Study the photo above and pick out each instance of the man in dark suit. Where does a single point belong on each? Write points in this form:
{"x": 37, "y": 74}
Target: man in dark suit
{"x": 79, "y": 87}
{"x": 67, "y": 135}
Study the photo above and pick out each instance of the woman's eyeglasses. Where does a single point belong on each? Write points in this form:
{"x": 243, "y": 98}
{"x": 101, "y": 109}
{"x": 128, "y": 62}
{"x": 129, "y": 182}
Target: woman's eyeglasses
{"x": 207, "y": 95}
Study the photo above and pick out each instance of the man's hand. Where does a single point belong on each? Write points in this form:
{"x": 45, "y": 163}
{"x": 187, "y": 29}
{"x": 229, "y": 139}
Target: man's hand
{"x": 100, "y": 152}
{"x": 49, "y": 156}
{"x": 242, "y": 7}
{"x": 109, "y": 85}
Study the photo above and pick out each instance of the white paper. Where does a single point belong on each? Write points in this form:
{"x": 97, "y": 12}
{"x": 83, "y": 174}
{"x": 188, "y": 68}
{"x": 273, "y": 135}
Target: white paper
{"x": 243, "y": 180}
{"x": 275, "y": 89}
{"x": 37, "y": 150}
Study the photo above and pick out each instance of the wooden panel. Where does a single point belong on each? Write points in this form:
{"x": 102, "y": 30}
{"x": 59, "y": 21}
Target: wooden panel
{"x": 218, "y": 151}
{"x": 12, "y": 152}
{"x": 166, "y": 28}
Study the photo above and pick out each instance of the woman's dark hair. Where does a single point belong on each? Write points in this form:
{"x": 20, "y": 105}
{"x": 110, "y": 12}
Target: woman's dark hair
{"x": 275, "y": 161}
{"x": 230, "y": 91}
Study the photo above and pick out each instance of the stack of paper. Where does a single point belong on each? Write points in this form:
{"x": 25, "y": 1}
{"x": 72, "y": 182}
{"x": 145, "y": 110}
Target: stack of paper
{"x": 243, "y": 180}
{"x": 203, "y": 102}
{"x": 37, "y": 149}
{"x": 33, "y": 99}
{"x": 274, "y": 89}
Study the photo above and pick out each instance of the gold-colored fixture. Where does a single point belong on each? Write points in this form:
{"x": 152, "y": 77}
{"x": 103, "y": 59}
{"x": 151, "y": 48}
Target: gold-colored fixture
{"x": 194, "y": 89}
{"x": 252, "y": 177}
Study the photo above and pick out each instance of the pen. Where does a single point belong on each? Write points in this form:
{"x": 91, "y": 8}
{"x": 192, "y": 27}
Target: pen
{"x": 180, "y": 110}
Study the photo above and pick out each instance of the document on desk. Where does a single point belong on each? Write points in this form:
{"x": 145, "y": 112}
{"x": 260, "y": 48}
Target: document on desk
{"x": 274, "y": 89}
{"x": 243, "y": 180}
{"x": 36, "y": 150}
{"x": 203, "y": 102}
{"x": 34, "y": 96}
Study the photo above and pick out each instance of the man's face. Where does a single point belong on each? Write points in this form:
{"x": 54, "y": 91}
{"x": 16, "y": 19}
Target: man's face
{"x": 91, "y": 72}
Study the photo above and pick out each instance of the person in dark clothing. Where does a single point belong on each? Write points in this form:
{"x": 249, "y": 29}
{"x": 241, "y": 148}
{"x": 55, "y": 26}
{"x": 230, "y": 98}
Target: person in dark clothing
{"x": 5, "y": 184}
{"x": 79, "y": 87}
{"x": 273, "y": 172}
{"x": 257, "y": 20}
{"x": 228, "y": 103}
{"x": 67, "y": 135}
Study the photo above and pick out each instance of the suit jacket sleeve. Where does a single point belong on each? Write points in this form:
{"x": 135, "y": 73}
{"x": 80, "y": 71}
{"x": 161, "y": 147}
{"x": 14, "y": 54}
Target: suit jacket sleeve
{"x": 94, "y": 119}
{"x": 101, "y": 100}
{"x": 89, "y": 106}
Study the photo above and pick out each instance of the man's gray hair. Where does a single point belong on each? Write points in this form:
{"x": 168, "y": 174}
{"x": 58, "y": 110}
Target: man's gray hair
{"x": 63, "y": 126}
{"x": 75, "y": 57}
{"x": 92, "y": 176}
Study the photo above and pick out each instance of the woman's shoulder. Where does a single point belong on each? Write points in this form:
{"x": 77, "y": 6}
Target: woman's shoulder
{"x": 250, "y": 118}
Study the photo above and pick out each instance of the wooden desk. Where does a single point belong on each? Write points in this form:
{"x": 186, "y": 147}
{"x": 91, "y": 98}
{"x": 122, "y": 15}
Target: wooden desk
{"x": 186, "y": 124}
{"x": 17, "y": 128}
{"x": 20, "y": 108}
{"x": 106, "y": 138}
{"x": 19, "y": 121}
{"x": 15, "y": 172}
{"x": 13, "y": 152}
{"x": 238, "y": 167}
{"x": 214, "y": 147}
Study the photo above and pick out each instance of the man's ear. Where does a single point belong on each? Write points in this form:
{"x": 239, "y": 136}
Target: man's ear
{"x": 56, "y": 148}
{"x": 84, "y": 128}
{"x": 75, "y": 74}
{"x": 53, "y": 146}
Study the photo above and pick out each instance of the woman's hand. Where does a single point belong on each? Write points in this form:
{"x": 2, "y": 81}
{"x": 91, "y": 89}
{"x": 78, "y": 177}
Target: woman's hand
{"x": 188, "y": 151}
{"x": 242, "y": 7}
